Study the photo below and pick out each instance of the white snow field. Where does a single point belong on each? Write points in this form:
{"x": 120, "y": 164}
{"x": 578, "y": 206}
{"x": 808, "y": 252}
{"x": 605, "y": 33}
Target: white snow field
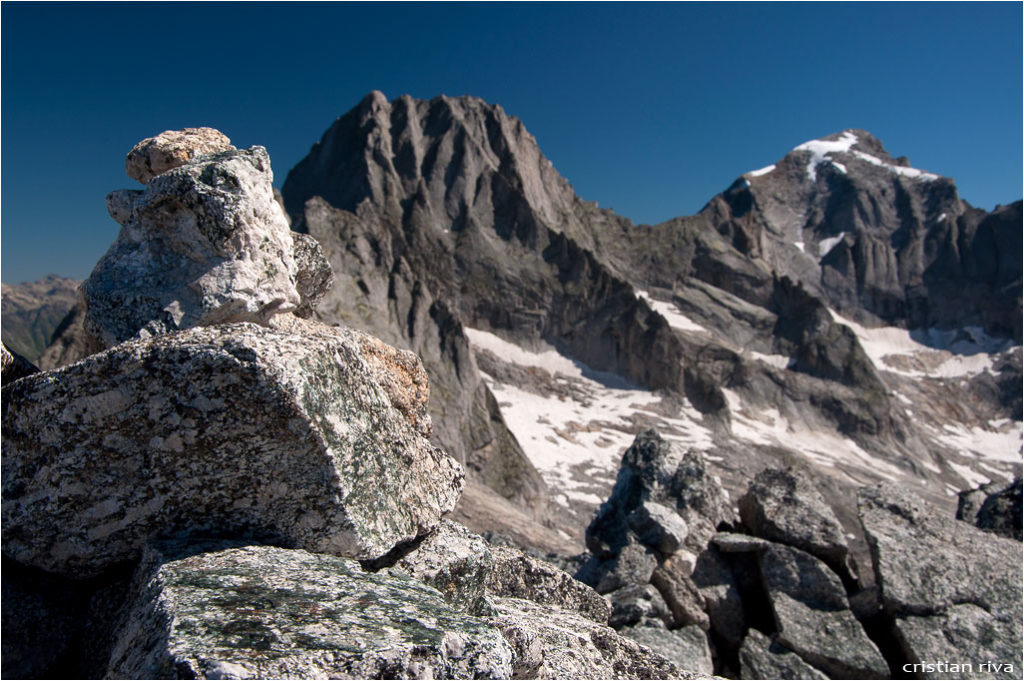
{"x": 820, "y": 150}
{"x": 575, "y": 437}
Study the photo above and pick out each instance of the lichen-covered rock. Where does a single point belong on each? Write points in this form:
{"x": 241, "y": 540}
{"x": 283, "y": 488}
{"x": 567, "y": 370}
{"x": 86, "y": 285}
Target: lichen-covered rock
{"x": 784, "y": 506}
{"x": 204, "y": 243}
{"x": 995, "y": 507}
{"x": 14, "y": 366}
{"x": 812, "y": 615}
{"x": 464, "y": 567}
{"x": 687, "y": 647}
{"x": 171, "y": 149}
{"x": 315, "y": 274}
{"x": 227, "y": 429}
{"x": 399, "y": 372}
{"x": 764, "y": 658}
{"x": 263, "y": 612}
{"x": 516, "y": 575}
{"x": 566, "y": 645}
{"x": 949, "y": 585}
{"x": 447, "y": 544}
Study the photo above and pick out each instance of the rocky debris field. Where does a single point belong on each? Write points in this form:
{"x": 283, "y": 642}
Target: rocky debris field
{"x": 773, "y": 592}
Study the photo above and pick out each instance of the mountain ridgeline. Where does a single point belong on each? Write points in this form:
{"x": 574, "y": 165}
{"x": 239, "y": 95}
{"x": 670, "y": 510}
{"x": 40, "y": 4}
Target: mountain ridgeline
{"x": 444, "y": 214}
{"x": 778, "y": 438}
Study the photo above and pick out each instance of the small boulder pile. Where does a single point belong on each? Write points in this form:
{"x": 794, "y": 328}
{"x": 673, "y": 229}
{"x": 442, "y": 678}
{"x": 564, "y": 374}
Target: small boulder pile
{"x": 231, "y": 490}
{"x": 774, "y": 593}
{"x": 644, "y": 541}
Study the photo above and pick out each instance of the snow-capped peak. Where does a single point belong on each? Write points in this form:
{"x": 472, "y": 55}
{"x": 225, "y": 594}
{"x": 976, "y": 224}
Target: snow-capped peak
{"x": 821, "y": 149}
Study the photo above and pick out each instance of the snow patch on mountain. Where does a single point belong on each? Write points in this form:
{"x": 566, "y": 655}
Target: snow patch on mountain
{"x": 826, "y": 448}
{"x": 973, "y": 478}
{"x": 546, "y": 358}
{"x": 1001, "y": 444}
{"x": 821, "y": 149}
{"x": 672, "y": 315}
{"x": 777, "y": 361}
{"x": 761, "y": 171}
{"x": 826, "y": 245}
{"x": 946, "y": 354}
{"x": 575, "y": 431}
{"x": 912, "y": 173}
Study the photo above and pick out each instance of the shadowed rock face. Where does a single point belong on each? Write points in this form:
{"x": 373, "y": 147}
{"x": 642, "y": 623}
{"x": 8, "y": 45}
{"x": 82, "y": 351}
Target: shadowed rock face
{"x": 995, "y": 507}
{"x": 444, "y": 213}
{"x": 15, "y": 366}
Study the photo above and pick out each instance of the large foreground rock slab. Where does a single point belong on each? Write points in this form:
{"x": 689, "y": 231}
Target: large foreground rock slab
{"x": 226, "y": 430}
{"x": 263, "y": 612}
{"x": 951, "y": 587}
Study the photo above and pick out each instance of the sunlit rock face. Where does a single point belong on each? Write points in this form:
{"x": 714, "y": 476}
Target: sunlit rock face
{"x": 306, "y": 439}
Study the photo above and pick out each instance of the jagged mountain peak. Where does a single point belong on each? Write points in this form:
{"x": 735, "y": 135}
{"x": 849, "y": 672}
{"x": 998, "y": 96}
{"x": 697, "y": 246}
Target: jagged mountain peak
{"x": 459, "y": 160}
{"x": 879, "y": 240}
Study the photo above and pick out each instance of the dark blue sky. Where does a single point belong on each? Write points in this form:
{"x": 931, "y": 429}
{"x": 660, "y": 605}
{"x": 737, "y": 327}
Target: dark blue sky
{"x": 649, "y": 109}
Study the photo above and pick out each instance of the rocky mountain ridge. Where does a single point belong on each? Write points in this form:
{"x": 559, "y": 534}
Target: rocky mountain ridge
{"x": 719, "y": 317}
